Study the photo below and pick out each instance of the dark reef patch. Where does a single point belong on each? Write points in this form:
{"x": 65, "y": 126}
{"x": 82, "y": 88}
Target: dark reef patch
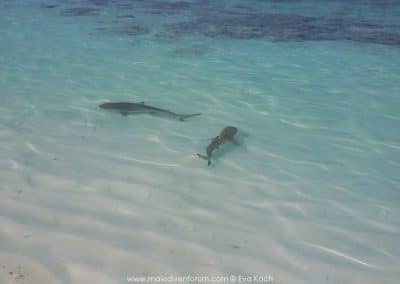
{"x": 280, "y": 1}
{"x": 101, "y": 2}
{"x": 49, "y": 6}
{"x": 191, "y": 50}
{"x": 243, "y": 7}
{"x": 165, "y": 7}
{"x": 238, "y": 20}
{"x": 378, "y": 38}
{"x": 79, "y": 11}
{"x": 131, "y": 29}
{"x": 127, "y": 16}
{"x": 280, "y": 27}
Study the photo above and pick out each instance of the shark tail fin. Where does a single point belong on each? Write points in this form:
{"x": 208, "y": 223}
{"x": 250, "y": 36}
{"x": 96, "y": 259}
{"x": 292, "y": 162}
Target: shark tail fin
{"x": 202, "y": 156}
{"x": 182, "y": 117}
{"x": 205, "y": 158}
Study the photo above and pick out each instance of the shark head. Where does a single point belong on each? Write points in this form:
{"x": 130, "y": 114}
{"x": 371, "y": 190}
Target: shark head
{"x": 228, "y": 132}
{"x": 106, "y": 106}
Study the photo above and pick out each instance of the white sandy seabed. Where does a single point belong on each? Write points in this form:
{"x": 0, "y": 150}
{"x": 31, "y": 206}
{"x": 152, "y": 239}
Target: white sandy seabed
{"x": 87, "y": 196}
{"x": 98, "y": 197}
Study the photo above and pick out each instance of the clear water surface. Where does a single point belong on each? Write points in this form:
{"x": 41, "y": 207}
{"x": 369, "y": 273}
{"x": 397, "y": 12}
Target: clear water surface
{"x": 310, "y": 196}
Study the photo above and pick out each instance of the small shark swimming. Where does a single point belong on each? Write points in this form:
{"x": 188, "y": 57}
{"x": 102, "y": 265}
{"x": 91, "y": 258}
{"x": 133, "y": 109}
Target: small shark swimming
{"x": 226, "y": 135}
{"x": 125, "y": 108}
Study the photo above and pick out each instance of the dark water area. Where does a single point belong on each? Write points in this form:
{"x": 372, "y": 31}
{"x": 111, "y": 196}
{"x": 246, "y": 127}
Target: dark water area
{"x": 371, "y": 22}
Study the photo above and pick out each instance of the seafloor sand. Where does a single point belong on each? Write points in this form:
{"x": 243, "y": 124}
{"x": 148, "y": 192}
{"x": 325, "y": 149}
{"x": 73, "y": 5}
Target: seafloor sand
{"x": 87, "y": 196}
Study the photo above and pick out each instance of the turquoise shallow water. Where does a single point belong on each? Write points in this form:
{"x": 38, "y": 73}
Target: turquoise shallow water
{"x": 310, "y": 196}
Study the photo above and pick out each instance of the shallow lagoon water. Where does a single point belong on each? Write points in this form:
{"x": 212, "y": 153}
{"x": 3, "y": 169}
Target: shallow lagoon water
{"x": 310, "y": 196}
